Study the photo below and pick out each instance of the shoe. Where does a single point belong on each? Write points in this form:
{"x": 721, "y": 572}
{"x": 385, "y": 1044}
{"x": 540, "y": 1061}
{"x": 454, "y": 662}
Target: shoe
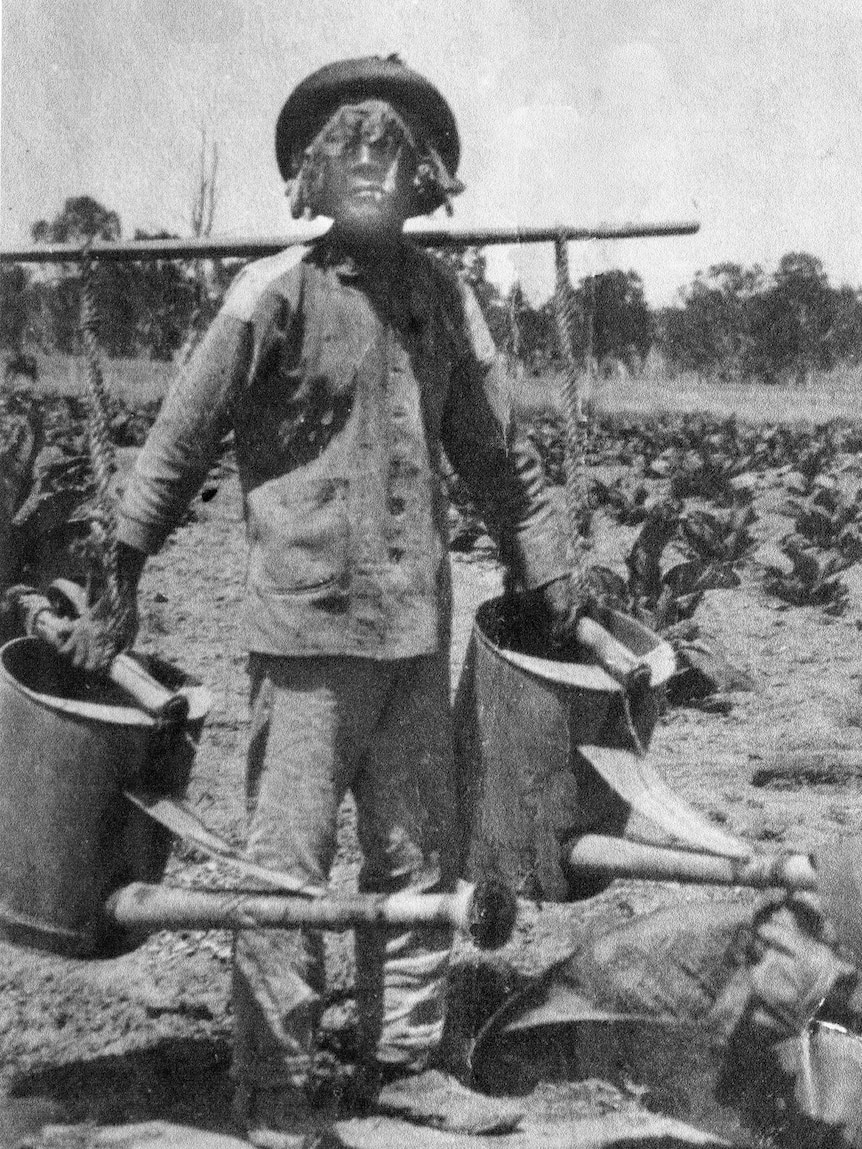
{"x": 279, "y": 1118}
{"x": 372, "y": 1075}
{"x": 437, "y": 1099}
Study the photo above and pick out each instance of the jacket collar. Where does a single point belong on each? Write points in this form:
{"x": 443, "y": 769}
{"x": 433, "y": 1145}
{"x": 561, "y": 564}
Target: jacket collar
{"x": 333, "y": 255}
{"x": 400, "y": 280}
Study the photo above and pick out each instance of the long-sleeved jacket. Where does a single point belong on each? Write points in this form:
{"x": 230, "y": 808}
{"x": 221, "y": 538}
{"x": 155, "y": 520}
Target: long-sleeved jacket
{"x": 342, "y": 383}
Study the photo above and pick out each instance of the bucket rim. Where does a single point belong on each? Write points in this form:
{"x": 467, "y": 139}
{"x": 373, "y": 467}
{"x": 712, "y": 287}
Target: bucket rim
{"x": 659, "y": 656}
{"x": 200, "y": 699}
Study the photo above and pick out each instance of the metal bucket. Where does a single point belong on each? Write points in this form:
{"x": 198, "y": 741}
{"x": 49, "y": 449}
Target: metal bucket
{"x": 67, "y": 835}
{"x": 518, "y": 721}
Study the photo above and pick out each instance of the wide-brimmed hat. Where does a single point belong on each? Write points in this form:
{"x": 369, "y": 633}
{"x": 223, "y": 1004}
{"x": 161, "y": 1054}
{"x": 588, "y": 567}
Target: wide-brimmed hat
{"x": 320, "y": 95}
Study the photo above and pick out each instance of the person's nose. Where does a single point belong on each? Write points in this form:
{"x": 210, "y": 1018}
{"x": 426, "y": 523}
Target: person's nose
{"x": 367, "y": 156}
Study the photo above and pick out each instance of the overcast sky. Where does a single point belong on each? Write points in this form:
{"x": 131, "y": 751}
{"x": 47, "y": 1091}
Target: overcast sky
{"x": 744, "y": 114}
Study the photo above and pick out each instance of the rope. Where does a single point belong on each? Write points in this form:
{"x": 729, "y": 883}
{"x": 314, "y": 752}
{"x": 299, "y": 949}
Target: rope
{"x": 565, "y": 310}
{"x": 101, "y": 445}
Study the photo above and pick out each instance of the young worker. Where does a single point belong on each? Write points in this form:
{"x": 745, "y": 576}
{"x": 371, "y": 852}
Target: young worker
{"x": 344, "y": 376}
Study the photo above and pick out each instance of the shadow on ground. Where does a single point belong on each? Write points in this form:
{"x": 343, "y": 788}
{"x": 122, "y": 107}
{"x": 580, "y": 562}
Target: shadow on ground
{"x": 183, "y": 1080}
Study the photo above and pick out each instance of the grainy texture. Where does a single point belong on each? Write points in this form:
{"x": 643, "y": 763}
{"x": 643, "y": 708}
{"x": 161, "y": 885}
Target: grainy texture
{"x": 147, "y": 1037}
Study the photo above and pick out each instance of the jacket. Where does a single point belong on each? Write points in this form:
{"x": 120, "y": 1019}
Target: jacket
{"x": 342, "y": 385}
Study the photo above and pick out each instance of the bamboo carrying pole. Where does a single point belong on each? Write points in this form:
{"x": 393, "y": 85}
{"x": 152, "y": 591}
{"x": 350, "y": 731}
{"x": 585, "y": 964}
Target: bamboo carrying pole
{"x": 621, "y": 858}
{"x": 250, "y": 248}
{"x": 487, "y": 910}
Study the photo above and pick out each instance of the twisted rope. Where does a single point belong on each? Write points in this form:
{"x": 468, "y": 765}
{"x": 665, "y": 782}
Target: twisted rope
{"x": 101, "y": 445}
{"x": 565, "y": 309}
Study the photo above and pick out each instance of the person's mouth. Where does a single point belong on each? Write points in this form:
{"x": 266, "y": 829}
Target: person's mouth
{"x": 368, "y": 191}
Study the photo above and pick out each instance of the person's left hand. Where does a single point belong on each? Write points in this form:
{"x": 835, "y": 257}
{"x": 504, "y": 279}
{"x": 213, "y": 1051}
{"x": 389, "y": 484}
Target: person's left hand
{"x": 560, "y": 611}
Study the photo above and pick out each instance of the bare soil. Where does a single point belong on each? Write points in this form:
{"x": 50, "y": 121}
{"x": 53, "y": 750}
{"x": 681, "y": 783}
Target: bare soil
{"x": 147, "y": 1037}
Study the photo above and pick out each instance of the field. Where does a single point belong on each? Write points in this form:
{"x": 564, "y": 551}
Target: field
{"x": 762, "y": 521}
{"x": 836, "y": 394}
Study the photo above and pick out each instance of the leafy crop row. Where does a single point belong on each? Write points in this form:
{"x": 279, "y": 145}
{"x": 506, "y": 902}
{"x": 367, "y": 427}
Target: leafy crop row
{"x": 699, "y": 453}
{"x": 688, "y": 480}
{"x": 49, "y": 520}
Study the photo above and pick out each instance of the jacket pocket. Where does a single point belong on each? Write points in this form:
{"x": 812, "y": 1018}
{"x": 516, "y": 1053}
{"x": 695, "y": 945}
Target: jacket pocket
{"x": 298, "y": 534}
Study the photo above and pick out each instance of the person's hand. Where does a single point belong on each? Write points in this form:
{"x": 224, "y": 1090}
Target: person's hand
{"x": 91, "y": 641}
{"x": 20, "y": 607}
{"x": 788, "y": 969}
{"x": 559, "y": 612}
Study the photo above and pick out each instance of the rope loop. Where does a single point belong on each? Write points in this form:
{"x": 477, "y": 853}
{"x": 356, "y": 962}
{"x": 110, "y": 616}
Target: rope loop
{"x": 565, "y": 311}
{"x": 102, "y": 457}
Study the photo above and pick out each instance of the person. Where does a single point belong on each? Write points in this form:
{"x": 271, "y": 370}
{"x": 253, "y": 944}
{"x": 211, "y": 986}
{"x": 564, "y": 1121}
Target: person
{"x": 345, "y": 373}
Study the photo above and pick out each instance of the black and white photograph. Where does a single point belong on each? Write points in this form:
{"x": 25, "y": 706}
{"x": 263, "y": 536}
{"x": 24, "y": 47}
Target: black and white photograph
{"x": 430, "y": 574}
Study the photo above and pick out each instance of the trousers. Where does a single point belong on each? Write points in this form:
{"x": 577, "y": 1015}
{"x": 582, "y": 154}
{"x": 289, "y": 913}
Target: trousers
{"x": 320, "y": 727}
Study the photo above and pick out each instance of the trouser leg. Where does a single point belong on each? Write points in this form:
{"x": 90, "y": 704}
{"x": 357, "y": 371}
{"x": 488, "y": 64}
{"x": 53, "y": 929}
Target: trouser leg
{"x": 406, "y": 806}
{"x": 297, "y": 775}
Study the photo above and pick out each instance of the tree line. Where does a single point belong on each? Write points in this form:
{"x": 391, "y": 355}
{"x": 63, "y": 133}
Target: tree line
{"x": 732, "y": 322}
{"x": 740, "y": 323}
{"x": 148, "y": 309}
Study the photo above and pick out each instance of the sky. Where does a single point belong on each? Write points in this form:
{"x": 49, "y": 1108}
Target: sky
{"x": 742, "y": 114}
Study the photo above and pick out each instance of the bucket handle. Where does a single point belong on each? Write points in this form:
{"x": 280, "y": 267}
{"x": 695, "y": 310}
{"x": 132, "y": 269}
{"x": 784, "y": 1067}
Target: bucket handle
{"x": 168, "y": 708}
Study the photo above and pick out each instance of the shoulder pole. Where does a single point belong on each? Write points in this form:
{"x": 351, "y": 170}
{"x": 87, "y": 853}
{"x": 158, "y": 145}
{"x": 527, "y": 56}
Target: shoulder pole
{"x": 239, "y": 248}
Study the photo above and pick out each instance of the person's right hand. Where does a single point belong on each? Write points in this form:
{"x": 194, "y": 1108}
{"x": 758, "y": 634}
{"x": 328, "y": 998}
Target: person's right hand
{"x": 92, "y": 641}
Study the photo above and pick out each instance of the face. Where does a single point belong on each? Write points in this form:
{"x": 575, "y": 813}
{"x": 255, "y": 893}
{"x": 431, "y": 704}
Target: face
{"x": 368, "y": 172}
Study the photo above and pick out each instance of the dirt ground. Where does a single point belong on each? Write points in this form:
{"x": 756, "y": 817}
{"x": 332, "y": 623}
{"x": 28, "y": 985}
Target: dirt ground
{"x": 147, "y": 1037}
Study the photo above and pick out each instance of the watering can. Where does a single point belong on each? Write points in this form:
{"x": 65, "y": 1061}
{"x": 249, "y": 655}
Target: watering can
{"x": 91, "y": 790}
{"x": 551, "y": 750}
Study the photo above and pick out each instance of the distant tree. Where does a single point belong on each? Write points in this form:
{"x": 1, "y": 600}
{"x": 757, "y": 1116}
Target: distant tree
{"x": 58, "y": 300}
{"x": 165, "y": 302}
{"x": 143, "y": 308}
{"x": 611, "y": 316}
{"x": 714, "y": 330}
{"x": 616, "y": 318}
{"x": 82, "y": 218}
{"x": 55, "y": 306}
{"x": 796, "y": 320}
{"x": 533, "y": 332}
{"x": 735, "y": 323}
{"x": 14, "y": 282}
{"x": 844, "y": 337}
{"x": 611, "y": 320}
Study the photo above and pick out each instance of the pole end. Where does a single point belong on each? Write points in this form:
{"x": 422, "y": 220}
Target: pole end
{"x": 492, "y": 915}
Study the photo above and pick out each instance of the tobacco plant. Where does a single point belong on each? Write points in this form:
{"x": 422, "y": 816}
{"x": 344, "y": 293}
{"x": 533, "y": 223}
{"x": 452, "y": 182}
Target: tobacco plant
{"x": 664, "y": 594}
